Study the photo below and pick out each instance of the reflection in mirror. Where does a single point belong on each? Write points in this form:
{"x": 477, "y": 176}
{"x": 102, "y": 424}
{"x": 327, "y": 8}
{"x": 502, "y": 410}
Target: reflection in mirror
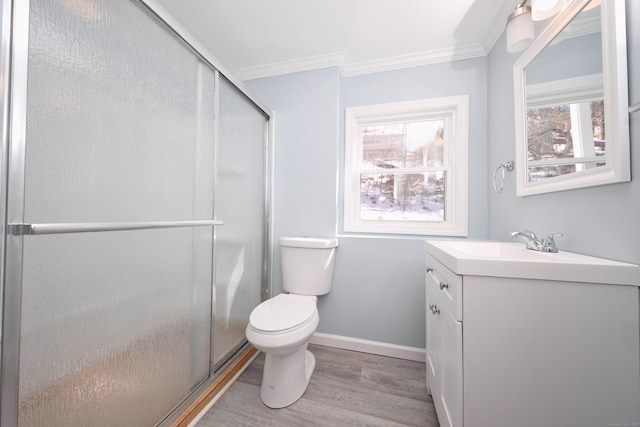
{"x": 565, "y": 138}
{"x": 565, "y": 101}
{"x": 571, "y": 101}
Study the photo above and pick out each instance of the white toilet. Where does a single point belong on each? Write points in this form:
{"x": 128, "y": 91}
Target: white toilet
{"x": 282, "y": 326}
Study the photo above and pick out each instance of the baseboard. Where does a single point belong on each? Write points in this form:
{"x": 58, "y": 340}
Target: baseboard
{"x": 366, "y": 346}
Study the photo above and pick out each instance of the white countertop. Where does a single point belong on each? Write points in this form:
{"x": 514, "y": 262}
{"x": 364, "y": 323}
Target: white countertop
{"x": 502, "y": 259}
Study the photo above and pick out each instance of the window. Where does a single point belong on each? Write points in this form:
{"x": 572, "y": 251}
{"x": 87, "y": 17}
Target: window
{"x": 406, "y": 167}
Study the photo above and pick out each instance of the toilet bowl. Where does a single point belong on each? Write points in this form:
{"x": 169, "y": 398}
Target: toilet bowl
{"x": 283, "y": 323}
{"x": 282, "y": 326}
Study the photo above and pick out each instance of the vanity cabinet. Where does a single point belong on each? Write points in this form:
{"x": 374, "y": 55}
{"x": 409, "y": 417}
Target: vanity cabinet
{"x": 515, "y": 344}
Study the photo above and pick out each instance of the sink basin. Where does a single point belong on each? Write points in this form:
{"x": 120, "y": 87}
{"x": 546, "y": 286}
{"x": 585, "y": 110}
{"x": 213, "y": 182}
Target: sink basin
{"x": 502, "y": 259}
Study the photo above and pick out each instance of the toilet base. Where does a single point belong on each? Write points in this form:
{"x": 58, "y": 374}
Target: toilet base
{"x": 286, "y": 377}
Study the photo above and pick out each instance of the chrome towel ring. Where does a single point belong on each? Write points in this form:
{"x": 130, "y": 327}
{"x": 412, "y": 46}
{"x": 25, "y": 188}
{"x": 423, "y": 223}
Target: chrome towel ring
{"x": 504, "y": 167}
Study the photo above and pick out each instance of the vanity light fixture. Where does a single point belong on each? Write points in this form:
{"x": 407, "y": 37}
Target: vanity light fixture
{"x": 520, "y": 31}
{"x": 545, "y": 9}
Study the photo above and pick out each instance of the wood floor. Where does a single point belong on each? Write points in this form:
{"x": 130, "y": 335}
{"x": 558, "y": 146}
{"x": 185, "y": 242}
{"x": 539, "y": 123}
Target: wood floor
{"x": 347, "y": 389}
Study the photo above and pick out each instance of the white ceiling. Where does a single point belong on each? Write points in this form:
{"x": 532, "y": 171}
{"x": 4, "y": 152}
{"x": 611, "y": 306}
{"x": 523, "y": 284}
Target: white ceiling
{"x": 258, "y": 38}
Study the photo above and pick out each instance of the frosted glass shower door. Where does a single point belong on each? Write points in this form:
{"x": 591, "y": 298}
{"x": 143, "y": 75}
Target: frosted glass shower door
{"x": 115, "y": 326}
{"x": 240, "y": 200}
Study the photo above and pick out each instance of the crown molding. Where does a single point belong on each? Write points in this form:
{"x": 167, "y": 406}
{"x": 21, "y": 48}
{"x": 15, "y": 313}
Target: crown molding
{"x": 337, "y": 59}
{"x": 415, "y": 59}
{"x": 347, "y": 69}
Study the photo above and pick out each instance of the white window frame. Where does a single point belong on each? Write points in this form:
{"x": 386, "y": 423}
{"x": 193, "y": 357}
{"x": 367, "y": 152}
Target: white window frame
{"x": 455, "y": 113}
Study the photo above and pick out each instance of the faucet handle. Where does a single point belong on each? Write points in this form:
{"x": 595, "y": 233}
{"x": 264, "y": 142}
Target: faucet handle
{"x": 549, "y": 243}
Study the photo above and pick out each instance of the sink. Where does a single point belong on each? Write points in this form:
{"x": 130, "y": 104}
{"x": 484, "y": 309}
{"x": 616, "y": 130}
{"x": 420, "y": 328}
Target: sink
{"x": 472, "y": 249}
{"x": 502, "y": 259}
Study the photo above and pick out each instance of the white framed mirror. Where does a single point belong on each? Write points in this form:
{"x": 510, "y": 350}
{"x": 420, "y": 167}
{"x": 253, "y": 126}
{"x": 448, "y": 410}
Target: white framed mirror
{"x": 571, "y": 101}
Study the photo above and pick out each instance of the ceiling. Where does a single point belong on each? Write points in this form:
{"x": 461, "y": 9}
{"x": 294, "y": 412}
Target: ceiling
{"x": 259, "y": 38}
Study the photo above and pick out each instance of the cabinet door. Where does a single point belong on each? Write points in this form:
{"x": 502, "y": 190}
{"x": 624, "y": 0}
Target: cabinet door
{"x": 449, "y": 400}
{"x": 432, "y": 342}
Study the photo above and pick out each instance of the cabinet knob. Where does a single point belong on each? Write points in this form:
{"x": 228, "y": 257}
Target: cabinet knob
{"x": 429, "y": 269}
{"x": 434, "y": 309}
{"x": 444, "y": 285}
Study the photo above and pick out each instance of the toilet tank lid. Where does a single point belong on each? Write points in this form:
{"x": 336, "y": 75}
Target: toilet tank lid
{"x": 308, "y": 242}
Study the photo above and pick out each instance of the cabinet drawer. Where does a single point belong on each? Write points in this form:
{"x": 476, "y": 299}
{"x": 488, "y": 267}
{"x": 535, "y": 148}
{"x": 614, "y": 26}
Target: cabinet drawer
{"x": 447, "y": 284}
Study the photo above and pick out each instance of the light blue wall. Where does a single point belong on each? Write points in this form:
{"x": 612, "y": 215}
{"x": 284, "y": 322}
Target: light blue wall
{"x": 378, "y": 290}
{"x": 602, "y": 221}
{"x": 306, "y": 154}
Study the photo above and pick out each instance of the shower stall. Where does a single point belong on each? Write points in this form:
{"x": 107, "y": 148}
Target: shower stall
{"x": 135, "y": 214}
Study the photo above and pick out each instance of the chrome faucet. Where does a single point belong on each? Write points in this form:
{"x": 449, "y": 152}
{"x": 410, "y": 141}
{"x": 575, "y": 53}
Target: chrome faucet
{"x": 548, "y": 244}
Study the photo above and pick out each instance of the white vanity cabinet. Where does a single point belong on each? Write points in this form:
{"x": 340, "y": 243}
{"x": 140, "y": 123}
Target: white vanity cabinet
{"x": 518, "y": 338}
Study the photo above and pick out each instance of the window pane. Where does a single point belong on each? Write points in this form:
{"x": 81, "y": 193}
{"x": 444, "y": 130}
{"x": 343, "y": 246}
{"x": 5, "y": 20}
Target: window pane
{"x": 402, "y": 197}
{"x": 403, "y": 145}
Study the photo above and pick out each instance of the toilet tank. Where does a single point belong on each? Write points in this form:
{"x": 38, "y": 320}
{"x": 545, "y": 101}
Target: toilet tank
{"x": 307, "y": 264}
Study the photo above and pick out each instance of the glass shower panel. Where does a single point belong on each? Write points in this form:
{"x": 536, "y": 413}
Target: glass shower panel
{"x": 111, "y": 332}
{"x": 239, "y": 200}
{"x": 116, "y": 326}
{"x": 114, "y": 114}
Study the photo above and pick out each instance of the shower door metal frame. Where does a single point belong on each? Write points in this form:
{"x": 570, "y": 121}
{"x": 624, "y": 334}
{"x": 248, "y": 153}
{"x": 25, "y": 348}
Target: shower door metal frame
{"x": 16, "y": 85}
{"x": 14, "y": 39}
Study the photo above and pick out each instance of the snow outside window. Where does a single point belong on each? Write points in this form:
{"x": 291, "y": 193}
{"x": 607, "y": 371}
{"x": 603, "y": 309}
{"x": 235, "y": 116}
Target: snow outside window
{"x": 406, "y": 167}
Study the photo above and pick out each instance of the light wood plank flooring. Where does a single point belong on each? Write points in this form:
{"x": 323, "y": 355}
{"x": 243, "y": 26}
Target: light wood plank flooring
{"x": 347, "y": 389}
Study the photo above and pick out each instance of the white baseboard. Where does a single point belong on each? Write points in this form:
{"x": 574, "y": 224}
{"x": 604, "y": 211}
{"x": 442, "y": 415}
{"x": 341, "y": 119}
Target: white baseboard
{"x": 373, "y": 347}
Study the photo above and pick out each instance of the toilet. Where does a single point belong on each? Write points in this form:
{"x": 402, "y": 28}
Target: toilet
{"x": 282, "y": 326}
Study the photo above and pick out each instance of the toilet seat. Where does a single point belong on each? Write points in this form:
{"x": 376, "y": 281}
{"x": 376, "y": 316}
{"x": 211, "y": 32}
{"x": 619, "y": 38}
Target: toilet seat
{"x": 283, "y": 313}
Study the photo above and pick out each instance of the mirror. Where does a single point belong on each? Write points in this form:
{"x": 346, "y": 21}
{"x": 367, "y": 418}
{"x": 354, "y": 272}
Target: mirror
{"x": 571, "y": 101}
